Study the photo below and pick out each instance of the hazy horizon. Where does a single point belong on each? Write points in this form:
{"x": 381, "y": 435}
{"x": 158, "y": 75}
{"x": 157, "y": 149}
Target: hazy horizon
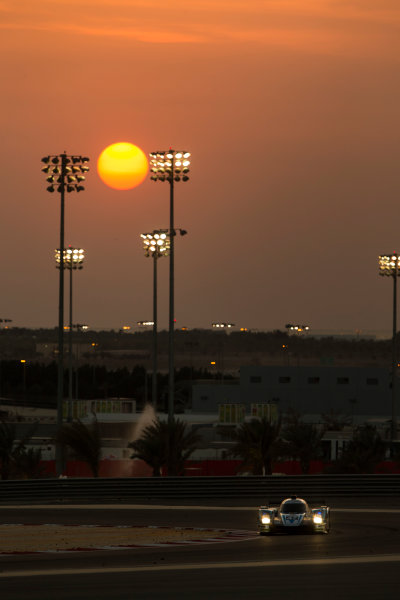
{"x": 290, "y": 111}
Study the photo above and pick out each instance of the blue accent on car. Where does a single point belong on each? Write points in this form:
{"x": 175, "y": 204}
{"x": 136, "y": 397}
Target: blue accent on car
{"x": 292, "y": 520}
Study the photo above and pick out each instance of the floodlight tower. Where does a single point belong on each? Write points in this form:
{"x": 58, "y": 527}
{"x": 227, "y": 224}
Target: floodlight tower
{"x": 73, "y": 260}
{"x": 155, "y": 245}
{"x": 65, "y": 173}
{"x": 389, "y": 265}
{"x": 171, "y": 166}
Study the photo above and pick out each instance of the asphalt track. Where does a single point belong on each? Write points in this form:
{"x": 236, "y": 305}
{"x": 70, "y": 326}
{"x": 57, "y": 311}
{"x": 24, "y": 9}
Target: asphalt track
{"x": 360, "y": 558}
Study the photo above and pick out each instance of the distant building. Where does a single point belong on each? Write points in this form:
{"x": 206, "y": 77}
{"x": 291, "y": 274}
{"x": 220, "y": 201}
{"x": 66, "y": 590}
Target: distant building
{"x": 362, "y": 393}
{"x": 117, "y": 410}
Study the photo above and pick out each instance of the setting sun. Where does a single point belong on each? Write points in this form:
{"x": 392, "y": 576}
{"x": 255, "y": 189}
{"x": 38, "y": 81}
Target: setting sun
{"x": 122, "y": 166}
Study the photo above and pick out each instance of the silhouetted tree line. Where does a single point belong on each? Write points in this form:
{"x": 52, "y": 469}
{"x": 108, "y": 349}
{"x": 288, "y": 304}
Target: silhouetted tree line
{"x": 258, "y": 443}
{"x": 35, "y": 383}
{"x": 17, "y": 461}
{"x": 21, "y": 343}
{"x": 167, "y": 445}
{"x": 162, "y": 444}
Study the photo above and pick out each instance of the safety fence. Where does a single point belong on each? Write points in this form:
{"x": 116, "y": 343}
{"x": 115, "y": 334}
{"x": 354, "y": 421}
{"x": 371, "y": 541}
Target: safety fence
{"x": 153, "y": 489}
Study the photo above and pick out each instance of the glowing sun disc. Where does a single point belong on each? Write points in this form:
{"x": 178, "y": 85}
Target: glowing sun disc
{"x": 122, "y": 166}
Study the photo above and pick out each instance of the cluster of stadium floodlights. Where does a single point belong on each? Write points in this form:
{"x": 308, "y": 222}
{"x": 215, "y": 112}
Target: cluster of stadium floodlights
{"x": 72, "y": 258}
{"x": 66, "y": 171}
{"x": 172, "y": 165}
{"x": 157, "y": 243}
{"x": 389, "y": 264}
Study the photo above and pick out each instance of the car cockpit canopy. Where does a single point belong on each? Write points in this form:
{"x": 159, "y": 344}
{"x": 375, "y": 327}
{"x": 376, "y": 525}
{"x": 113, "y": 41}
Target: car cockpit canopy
{"x": 293, "y": 506}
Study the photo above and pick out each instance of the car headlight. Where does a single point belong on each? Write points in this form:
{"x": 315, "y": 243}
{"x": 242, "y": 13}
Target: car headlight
{"x": 265, "y": 519}
{"x": 318, "y": 519}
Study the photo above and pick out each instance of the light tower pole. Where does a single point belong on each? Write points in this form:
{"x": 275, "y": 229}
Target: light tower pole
{"x": 73, "y": 260}
{"x": 65, "y": 173}
{"x": 171, "y": 166}
{"x": 389, "y": 266}
{"x": 155, "y": 245}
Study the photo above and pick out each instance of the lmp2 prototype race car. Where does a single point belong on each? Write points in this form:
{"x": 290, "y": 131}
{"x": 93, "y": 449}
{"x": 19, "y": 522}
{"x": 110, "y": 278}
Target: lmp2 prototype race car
{"x": 293, "y": 515}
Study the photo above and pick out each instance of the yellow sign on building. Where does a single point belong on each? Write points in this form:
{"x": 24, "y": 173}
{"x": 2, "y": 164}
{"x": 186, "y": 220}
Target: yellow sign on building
{"x": 265, "y": 410}
{"x": 231, "y": 413}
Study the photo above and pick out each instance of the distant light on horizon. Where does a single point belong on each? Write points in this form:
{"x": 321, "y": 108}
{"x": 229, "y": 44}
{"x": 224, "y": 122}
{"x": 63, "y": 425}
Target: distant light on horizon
{"x": 297, "y": 328}
{"x": 222, "y": 325}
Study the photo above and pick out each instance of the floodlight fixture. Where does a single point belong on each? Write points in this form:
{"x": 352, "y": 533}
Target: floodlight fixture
{"x": 73, "y": 258}
{"x": 156, "y": 244}
{"x": 171, "y": 166}
{"x": 59, "y": 168}
{"x": 389, "y": 265}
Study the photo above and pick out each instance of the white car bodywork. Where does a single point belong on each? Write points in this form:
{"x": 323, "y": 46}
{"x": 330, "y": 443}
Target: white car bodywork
{"x": 293, "y": 514}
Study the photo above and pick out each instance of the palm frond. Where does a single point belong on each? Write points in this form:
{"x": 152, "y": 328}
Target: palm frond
{"x": 84, "y": 442}
{"x": 167, "y": 444}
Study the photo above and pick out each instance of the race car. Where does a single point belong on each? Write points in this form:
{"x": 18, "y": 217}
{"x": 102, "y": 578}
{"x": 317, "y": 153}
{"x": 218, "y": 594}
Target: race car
{"x": 293, "y": 515}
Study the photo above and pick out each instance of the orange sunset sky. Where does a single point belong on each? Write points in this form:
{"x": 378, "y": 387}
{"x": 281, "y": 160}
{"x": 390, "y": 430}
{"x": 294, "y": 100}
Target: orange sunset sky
{"x": 290, "y": 109}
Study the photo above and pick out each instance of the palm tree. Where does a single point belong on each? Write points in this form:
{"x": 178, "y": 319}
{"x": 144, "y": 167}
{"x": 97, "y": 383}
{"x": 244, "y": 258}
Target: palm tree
{"x": 335, "y": 421}
{"x": 8, "y": 443}
{"x": 182, "y": 442}
{"x": 12, "y": 448}
{"x": 362, "y": 453}
{"x": 84, "y": 441}
{"x": 150, "y": 448}
{"x": 257, "y": 443}
{"x": 167, "y": 444}
{"x": 302, "y": 441}
{"x": 29, "y": 463}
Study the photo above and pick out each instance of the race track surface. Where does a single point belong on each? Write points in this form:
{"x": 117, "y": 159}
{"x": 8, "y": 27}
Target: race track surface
{"x": 360, "y": 558}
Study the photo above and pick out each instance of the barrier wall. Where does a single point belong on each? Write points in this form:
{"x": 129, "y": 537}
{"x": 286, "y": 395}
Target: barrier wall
{"x": 216, "y": 468}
